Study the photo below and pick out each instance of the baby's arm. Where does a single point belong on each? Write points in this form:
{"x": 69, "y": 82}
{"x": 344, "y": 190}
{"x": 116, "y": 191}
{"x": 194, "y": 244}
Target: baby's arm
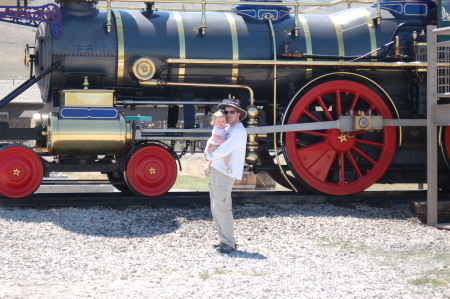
{"x": 217, "y": 138}
{"x": 211, "y": 147}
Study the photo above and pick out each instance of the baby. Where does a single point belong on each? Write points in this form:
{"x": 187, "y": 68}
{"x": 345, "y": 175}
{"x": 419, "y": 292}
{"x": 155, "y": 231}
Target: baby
{"x": 218, "y": 136}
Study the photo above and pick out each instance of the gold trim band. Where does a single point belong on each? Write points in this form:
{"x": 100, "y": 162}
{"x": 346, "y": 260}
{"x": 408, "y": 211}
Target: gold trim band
{"x": 120, "y": 47}
{"x": 182, "y": 43}
{"x": 373, "y": 37}
{"x": 307, "y": 32}
{"x": 340, "y": 38}
{"x": 308, "y": 43}
{"x": 235, "y": 45}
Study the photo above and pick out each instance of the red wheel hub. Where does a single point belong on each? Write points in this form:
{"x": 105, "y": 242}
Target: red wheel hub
{"x": 20, "y": 171}
{"x": 151, "y": 171}
{"x": 341, "y": 142}
{"x": 335, "y": 162}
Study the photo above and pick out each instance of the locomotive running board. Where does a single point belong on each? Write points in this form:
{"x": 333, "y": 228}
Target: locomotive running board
{"x": 27, "y": 84}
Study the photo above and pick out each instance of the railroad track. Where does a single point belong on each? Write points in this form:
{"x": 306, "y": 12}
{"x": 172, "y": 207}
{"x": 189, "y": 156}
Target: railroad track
{"x": 118, "y": 199}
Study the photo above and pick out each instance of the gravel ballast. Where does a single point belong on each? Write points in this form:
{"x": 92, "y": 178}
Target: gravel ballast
{"x": 285, "y": 250}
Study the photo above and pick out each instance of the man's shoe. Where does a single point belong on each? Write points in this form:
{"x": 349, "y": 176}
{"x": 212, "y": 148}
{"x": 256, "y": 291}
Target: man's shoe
{"x": 224, "y": 248}
{"x": 215, "y": 246}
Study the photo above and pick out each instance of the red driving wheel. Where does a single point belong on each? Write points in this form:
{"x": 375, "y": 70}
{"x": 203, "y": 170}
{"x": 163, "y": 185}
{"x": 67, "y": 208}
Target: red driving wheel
{"x": 335, "y": 162}
{"x": 446, "y": 144}
{"x": 20, "y": 171}
{"x": 151, "y": 171}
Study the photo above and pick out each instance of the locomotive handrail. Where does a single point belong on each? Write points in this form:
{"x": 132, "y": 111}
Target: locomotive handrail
{"x": 441, "y": 31}
{"x": 158, "y": 83}
{"x": 299, "y": 63}
{"x": 152, "y": 103}
{"x": 287, "y": 3}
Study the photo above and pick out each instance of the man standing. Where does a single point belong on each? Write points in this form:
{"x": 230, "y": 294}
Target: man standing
{"x": 221, "y": 179}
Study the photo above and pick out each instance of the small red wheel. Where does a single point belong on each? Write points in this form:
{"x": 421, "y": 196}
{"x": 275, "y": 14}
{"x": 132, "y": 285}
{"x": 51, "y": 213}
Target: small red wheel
{"x": 20, "y": 171}
{"x": 151, "y": 171}
{"x": 335, "y": 162}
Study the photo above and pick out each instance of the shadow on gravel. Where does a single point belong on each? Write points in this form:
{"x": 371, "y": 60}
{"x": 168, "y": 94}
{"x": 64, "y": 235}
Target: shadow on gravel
{"x": 247, "y": 255}
{"x": 144, "y": 221}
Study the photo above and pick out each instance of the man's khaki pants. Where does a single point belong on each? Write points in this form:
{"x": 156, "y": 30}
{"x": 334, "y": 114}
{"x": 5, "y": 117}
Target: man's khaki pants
{"x": 220, "y": 186}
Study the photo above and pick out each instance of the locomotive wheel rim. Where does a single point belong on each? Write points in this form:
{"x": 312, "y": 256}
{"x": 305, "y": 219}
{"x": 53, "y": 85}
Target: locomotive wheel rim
{"x": 445, "y": 151}
{"x": 20, "y": 172}
{"x": 151, "y": 171}
{"x": 339, "y": 163}
{"x": 447, "y": 144}
{"x": 267, "y": 159}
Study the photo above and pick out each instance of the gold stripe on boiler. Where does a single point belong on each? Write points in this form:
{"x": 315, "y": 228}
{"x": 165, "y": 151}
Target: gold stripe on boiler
{"x": 235, "y": 45}
{"x": 182, "y": 43}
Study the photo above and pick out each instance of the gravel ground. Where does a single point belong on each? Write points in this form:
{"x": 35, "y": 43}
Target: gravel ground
{"x": 285, "y": 251}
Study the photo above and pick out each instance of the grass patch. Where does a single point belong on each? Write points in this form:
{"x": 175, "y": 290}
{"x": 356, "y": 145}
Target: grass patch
{"x": 188, "y": 182}
{"x": 254, "y": 273}
{"x": 219, "y": 271}
{"x": 442, "y": 257}
{"x": 205, "y": 275}
{"x": 434, "y": 277}
{"x": 344, "y": 245}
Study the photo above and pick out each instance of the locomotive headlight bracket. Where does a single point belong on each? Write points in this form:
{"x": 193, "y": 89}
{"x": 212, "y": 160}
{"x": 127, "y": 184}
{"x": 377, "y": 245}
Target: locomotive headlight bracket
{"x": 144, "y": 69}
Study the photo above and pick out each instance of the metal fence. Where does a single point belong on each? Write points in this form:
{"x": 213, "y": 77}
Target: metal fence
{"x": 23, "y": 122}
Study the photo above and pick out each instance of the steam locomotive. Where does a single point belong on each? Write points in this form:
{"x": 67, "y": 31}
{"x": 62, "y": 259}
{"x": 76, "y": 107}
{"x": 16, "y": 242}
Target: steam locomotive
{"x": 300, "y": 76}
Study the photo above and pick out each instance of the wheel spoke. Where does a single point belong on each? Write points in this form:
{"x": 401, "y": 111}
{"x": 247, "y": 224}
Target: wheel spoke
{"x": 311, "y": 116}
{"x": 371, "y": 108}
{"x": 355, "y": 100}
{"x": 362, "y": 154}
{"x": 368, "y": 142}
{"x": 341, "y": 169}
{"x": 315, "y": 133}
{"x": 354, "y": 164}
{"x": 338, "y": 103}
{"x": 324, "y": 108}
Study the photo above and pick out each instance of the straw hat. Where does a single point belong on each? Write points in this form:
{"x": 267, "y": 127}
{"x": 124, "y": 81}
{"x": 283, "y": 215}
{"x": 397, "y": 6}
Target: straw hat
{"x": 234, "y": 104}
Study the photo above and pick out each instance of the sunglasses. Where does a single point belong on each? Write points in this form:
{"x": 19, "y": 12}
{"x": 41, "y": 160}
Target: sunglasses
{"x": 229, "y": 112}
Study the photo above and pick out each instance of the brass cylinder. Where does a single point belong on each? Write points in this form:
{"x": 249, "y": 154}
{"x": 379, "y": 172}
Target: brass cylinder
{"x": 252, "y": 144}
{"x": 87, "y": 137}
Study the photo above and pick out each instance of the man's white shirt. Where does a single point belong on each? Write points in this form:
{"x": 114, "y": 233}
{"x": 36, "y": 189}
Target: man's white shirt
{"x": 235, "y": 145}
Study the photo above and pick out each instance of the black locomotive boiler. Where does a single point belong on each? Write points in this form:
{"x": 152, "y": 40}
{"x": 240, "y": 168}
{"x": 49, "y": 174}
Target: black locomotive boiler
{"x": 337, "y": 76}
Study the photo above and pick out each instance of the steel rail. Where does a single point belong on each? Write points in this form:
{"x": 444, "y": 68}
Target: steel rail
{"x": 195, "y": 198}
